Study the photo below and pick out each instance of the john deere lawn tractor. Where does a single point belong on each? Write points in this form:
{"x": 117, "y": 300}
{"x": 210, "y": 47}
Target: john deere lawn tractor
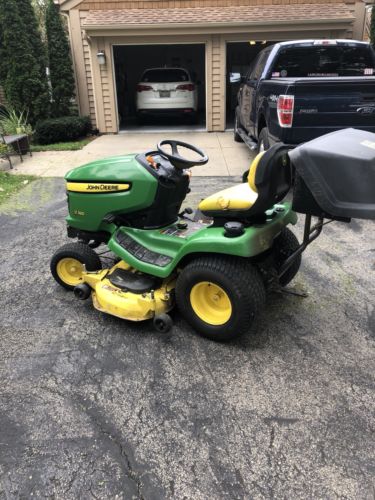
{"x": 217, "y": 263}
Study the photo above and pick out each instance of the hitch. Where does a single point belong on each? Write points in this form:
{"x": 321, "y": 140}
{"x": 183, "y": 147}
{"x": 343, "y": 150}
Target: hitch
{"x": 310, "y": 234}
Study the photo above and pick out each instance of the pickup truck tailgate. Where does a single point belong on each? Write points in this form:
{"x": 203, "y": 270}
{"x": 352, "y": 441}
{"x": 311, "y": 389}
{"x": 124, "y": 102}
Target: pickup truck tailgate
{"x": 334, "y": 102}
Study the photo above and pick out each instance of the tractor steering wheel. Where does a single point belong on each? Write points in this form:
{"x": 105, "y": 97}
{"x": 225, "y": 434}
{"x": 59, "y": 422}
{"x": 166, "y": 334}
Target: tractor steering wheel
{"x": 178, "y": 161}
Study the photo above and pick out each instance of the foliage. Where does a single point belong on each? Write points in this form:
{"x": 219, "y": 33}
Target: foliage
{"x": 13, "y": 122}
{"x": 3, "y": 148}
{"x": 22, "y": 60}
{"x": 65, "y": 128}
{"x": 61, "y": 146}
{"x": 372, "y": 26}
{"x": 40, "y": 14}
{"x": 10, "y": 184}
{"x": 31, "y": 25}
{"x": 60, "y": 63}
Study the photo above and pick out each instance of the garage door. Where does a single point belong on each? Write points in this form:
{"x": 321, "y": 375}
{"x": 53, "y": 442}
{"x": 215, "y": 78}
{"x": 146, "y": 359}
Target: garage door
{"x": 160, "y": 86}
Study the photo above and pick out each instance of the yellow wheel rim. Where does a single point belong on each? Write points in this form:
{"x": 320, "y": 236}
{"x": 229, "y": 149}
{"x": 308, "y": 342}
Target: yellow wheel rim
{"x": 210, "y": 303}
{"x": 70, "y": 271}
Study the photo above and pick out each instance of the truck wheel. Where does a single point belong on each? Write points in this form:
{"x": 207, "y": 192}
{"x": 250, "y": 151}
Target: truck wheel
{"x": 237, "y": 136}
{"x": 220, "y": 296}
{"x": 263, "y": 140}
{"x": 284, "y": 245}
{"x": 70, "y": 261}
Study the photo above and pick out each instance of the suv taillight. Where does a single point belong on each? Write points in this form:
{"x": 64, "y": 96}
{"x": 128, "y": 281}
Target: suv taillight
{"x": 186, "y": 86}
{"x": 143, "y": 88}
{"x": 285, "y": 107}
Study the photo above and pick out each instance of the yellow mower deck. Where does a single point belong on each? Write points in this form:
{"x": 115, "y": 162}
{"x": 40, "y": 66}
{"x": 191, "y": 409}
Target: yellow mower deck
{"x": 110, "y": 299}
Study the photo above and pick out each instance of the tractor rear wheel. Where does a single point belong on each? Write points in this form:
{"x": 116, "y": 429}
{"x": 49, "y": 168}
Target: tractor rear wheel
{"x": 70, "y": 261}
{"x": 220, "y": 296}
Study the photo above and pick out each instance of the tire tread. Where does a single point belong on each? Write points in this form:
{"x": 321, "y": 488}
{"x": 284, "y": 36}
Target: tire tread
{"x": 247, "y": 283}
{"x": 79, "y": 251}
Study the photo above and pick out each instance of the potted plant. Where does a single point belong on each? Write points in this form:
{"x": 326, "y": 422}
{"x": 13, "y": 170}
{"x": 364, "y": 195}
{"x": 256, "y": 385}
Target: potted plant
{"x": 16, "y": 123}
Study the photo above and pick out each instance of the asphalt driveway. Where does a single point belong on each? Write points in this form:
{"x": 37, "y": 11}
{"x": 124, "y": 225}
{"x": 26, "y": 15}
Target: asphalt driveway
{"x": 95, "y": 407}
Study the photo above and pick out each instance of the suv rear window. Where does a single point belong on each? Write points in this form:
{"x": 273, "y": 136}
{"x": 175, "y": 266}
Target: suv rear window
{"x": 326, "y": 61}
{"x": 165, "y": 75}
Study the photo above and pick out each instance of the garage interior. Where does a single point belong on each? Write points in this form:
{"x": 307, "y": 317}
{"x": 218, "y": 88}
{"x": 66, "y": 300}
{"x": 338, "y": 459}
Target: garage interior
{"x": 239, "y": 57}
{"x": 130, "y": 63}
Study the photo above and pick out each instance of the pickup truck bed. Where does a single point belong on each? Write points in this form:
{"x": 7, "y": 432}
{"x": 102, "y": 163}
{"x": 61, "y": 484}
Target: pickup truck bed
{"x": 316, "y": 105}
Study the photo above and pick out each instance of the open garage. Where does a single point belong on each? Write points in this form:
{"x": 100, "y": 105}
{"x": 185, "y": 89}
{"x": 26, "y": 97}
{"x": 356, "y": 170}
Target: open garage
{"x": 131, "y": 62}
{"x": 239, "y": 57}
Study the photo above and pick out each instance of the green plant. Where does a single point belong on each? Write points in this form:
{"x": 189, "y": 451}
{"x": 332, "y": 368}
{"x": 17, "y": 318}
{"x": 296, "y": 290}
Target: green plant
{"x": 62, "y": 146}
{"x": 65, "y": 128}
{"x": 40, "y": 15}
{"x": 13, "y": 122}
{"x": 3, "y": 148}
{"x": 60, "y": 62}
{"x": 22, "y": 60}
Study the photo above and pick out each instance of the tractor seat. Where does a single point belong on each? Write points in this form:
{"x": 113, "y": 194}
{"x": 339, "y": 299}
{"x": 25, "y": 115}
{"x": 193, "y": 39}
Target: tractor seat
{"x": 268, "y": 183}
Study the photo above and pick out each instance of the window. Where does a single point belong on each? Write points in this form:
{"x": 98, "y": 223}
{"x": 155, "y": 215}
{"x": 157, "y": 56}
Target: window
{"x": 165, "y": 75}
{"x": 260, "y": 63}
{"x": 324, "y": 61}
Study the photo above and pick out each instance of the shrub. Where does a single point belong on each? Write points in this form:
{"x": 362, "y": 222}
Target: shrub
{"x": 60, "y": 62}
{"x": 63, "y": 129}
{"x": 22, "y": 60}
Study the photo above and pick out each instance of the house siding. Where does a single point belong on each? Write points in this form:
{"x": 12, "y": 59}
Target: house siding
{"x": 218, "y": 80}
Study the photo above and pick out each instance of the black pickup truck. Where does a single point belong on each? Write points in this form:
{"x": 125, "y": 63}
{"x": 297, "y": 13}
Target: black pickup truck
{"x": 296, "y": 91}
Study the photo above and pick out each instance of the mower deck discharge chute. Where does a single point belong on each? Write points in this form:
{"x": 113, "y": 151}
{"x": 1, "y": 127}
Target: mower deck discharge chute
{"x": 218, "y": 264}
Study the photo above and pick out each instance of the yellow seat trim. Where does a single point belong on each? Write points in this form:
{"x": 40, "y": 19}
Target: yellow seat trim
{"x": 240, "y": 197}
{"x": 253, "y": 171}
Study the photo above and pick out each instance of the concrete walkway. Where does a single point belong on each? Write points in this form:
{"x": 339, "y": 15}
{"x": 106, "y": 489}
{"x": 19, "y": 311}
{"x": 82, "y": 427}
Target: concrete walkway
{"x": 227, "y": 158}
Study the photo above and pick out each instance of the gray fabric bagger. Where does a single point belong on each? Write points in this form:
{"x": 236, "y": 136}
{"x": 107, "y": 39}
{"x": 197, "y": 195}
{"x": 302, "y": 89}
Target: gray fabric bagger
{"x": 335, "y": 176}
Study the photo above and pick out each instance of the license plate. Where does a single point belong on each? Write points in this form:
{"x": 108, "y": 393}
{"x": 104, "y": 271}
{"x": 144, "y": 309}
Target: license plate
{"x": 164, "y": 93}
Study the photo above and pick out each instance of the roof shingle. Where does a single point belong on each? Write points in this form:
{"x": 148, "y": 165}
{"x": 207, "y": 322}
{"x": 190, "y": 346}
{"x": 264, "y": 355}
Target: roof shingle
{"x": 218, "y": 15}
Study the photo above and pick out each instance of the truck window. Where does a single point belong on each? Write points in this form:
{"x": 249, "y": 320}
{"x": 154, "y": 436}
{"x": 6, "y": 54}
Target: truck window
{"x": 258, "y": 68}
{"x": 326, "y": 61}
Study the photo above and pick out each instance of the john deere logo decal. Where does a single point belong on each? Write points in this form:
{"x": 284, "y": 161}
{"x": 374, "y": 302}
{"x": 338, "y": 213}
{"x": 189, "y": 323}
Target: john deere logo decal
{"x": 95, "y": 187}
{"x": 102, "y": 187}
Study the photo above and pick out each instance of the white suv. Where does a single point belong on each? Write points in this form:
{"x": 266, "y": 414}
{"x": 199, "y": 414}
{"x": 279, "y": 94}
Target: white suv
{"x": 167, "y": 91}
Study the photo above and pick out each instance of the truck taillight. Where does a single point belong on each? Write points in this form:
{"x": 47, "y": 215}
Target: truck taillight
{"x": 285, "y": 107}
{"x": 186, "y": 86}
{"x": 143, "y": 88}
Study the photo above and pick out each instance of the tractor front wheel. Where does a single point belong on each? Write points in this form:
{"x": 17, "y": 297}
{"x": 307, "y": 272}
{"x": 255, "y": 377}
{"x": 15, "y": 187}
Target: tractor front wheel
{"x": 220, "y": 296}
{"x": 70, "y": 261}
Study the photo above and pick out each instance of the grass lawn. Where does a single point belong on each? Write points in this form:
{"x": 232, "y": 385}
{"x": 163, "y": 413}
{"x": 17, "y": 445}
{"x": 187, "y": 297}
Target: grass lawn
{"x": 62, "y": 146}
{"x": 10, "y": 184}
